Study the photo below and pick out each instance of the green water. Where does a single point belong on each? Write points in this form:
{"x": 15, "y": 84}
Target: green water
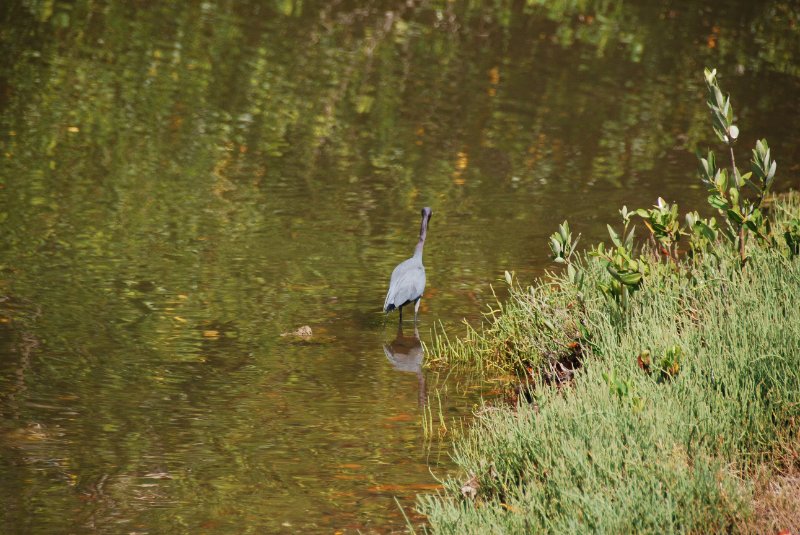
{"x": 181, "y": 183}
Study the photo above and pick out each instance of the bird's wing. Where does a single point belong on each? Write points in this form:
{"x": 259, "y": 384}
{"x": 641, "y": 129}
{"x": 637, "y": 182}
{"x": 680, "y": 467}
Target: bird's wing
{"x": 407, "y": 284}
{"x": 394, "y": 284}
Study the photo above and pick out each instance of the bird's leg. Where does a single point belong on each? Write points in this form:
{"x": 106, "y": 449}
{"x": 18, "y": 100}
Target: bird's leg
{"x": 401, "y": 315}
{"x": 416, "y": 309}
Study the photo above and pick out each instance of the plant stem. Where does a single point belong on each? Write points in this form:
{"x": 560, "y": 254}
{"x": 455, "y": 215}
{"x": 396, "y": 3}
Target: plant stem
{"x": 733, "y": 163}
{"x": 742, "y": 255}
{"x": 624, "y": 299}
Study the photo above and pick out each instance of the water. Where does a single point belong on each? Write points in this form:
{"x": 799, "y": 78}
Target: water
{"x": 183, "y": 184}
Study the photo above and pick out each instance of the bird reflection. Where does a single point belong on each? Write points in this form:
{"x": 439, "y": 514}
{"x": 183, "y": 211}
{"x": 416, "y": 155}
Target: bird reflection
{"x": 406, "y": 355}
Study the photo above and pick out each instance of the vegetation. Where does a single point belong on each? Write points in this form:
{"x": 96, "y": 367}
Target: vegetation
{"x": 659, "y": 376}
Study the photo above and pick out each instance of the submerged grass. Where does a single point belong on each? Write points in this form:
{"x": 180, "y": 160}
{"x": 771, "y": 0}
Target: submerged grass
{"x": 677, "y": 404}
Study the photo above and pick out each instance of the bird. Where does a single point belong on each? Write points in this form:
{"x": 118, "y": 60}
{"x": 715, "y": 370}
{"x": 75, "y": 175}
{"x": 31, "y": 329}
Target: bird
{"x": 408, "y": 278}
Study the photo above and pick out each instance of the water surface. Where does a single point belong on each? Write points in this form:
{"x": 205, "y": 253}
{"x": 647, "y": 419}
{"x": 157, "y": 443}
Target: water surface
{"x": 183, "y": 183}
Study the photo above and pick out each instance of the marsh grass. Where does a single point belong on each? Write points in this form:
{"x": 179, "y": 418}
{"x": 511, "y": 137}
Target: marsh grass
{"x": 533, "y": 324}
{"x": 645, "y": 438}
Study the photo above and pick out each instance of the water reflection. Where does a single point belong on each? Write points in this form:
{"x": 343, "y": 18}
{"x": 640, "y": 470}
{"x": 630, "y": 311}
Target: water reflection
{"x": 406, "y": 355}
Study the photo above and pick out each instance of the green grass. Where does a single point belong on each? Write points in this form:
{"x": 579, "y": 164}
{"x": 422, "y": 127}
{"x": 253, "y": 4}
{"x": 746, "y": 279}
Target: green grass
{"x": 618, "y": 449}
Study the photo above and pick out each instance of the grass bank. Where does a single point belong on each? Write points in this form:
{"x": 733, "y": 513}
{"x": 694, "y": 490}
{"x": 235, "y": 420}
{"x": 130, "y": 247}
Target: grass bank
{"x": 675, "y": 407}
{"x": 661, "y": 383}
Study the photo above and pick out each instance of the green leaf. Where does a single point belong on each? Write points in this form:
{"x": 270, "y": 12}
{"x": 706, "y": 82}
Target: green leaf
{"x": 707, "y": 232}
{"x": 718, "y": 96}
{"x": 626, "y": 278}
{"x": 571, "y": 273}
{"x": 735, "y": 216}
{"x": 629, "y": 238}
{"x": 722, "y": 180}
{"x": 718, "y": 202}
{"x": 740, "y": 181}
{"x": 630, "y": 279}
{"x": 614, "y": 236}
{"x": 659, "y": 228}
{"x": 563, "y": 231}
{"x": 734, "y": 196}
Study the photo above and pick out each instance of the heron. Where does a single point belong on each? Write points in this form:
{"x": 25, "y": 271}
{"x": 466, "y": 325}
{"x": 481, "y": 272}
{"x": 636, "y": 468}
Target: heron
{"x": 408, "y": 278}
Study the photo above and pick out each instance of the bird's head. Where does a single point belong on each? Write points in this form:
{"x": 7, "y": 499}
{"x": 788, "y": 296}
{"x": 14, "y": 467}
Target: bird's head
{"x": 426, "y": 213}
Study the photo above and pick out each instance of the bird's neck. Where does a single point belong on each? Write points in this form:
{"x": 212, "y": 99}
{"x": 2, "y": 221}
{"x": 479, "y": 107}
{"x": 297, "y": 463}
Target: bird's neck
{"x": 418, "y": 248}
{"x": 423, "y": 230}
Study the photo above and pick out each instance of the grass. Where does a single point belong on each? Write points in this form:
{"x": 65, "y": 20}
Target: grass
{"x": 677, "y": 442}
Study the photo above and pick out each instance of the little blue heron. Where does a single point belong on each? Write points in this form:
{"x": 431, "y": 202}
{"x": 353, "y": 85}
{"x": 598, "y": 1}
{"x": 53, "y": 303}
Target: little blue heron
{"x": 408, "y": 278}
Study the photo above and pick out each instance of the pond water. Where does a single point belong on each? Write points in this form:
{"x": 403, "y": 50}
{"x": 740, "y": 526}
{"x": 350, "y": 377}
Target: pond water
{"x": 184, "y": 183}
